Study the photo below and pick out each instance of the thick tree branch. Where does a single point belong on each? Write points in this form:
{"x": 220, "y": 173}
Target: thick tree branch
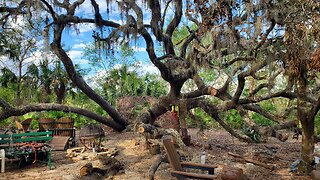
{"x": 8, "y": 112}
{"x": 51, "y": 11}
{"x": 256, "y": 108}
{"x": 81, "y": 84}
{"x": 156, "y": 18}
{"x": 212, "y": 111}
{"x": 176, "y": 19}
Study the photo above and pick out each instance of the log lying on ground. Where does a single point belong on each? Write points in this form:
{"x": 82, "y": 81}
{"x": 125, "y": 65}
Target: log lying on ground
{"x": 111, "y": 167}
{"x": 152, "y": 132}
{"x": 155, "y": 166}
{"x": 267, "y": 166}
{"x": 86, "y": 169}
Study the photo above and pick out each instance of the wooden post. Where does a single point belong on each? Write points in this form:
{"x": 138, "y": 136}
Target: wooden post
{"x": 3, "y": 159}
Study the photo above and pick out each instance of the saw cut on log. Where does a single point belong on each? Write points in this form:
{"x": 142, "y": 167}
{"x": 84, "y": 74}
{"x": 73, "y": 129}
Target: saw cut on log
{"x": 267, "y": 166}
{"x": 86, "y": 169}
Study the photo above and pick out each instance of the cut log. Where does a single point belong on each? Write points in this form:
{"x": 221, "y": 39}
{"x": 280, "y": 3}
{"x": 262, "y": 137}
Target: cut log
{"x": 155, "y": 166}
{"x": 231, "y": 173}
{"x": 87, "y": 169}
{"x": 267, "y": 166}
{"x": 150, "y": 131}
{"x": 111, "y": 166}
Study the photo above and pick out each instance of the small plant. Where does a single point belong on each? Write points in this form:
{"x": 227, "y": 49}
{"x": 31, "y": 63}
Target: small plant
{"x": 252, "y": 134}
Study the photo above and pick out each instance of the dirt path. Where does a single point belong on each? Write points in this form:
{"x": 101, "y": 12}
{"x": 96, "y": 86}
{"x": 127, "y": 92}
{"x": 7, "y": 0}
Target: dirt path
{"x": 137, "y": 161}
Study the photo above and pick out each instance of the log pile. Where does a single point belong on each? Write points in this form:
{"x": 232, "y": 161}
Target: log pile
{"x": 80, "y": 153}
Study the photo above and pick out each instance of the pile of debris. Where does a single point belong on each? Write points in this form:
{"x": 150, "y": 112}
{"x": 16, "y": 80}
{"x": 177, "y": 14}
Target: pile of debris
{"x": 81, "y": 153}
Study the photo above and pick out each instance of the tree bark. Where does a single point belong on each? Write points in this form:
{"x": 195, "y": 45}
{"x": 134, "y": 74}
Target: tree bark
{"x": 155, "y": 166}
{"x": 11, "y": 111}
{"x": 307, "y": 123}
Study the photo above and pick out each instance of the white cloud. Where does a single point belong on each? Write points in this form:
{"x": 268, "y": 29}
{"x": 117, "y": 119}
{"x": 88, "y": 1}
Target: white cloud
{"x": 148, "y": 68}
{"x": 75, "y": 54}
{"x": 76, "y": 57}
{"x": 78, "y": 46}
{"x": 138, "y": 49}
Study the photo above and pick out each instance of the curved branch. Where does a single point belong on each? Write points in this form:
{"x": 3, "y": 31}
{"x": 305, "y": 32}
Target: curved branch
{"x": 261, "y": 111}
{"x": 284, "y": 94}
{"x": 58, "y": 107}
{"x": 156, "y": 18}
{"x": 73, "y": 7}
{"x": 177, "y": 18}
{"x": 186, "y": 43}
{"x": 53, "y": 14}
{"x": 211, "y": 110}
{"x": 264, "y": 37}
{"x": 97, "y": 15}
{"x": 81, "y": 84}
{"x": 165, "y": 13}
{"x": 145, "y": 34}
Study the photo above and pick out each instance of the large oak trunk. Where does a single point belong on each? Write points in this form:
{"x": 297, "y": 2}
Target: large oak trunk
{"x": 307, "y": 148}
{"x": 307, "y": 122}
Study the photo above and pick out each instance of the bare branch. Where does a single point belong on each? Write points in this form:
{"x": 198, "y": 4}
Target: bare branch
{"x": 264, "y": 37}
{"x": 53, "y": 14}
{"x": 177, "y": 18}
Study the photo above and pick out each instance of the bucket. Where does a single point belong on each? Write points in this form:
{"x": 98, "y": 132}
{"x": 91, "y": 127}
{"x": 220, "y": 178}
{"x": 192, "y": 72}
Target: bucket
{"x": 46, "y": 123}
{"x": 64, "y": 123}
{"x": 26, "y": 124}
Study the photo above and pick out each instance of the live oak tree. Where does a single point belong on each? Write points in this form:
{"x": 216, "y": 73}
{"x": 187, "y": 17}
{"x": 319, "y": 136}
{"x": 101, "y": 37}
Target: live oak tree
{"x": 258, "y": 48}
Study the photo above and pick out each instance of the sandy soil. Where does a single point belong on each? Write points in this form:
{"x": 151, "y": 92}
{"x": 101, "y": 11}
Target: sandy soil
{"x": 137, "y": 160}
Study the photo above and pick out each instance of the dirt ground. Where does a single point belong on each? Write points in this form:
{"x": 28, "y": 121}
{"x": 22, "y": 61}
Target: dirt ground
{"x": 137, "y": 160}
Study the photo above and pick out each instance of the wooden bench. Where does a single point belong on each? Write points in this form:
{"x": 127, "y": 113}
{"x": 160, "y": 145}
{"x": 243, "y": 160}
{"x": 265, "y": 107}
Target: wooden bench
{"x": 14, "y": 144}
{"x": 178, "y": 167}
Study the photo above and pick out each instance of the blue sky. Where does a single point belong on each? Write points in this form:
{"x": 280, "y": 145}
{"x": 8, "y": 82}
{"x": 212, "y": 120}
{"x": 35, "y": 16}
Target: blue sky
{"x": 75, "y": 41}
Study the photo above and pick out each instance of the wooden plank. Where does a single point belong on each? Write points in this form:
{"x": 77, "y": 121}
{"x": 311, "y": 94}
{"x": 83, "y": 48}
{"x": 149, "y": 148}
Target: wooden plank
{"x": 172, "y": 153}
{"x": 206, "y": 167}
{"x": 59, "y": 142}
{"x": 181, "y": 174}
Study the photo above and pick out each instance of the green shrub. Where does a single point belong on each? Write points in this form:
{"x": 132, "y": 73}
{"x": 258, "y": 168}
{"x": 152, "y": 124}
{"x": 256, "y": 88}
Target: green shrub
{"x": 234, "y": 119}
{"x": 261, "y": 120}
